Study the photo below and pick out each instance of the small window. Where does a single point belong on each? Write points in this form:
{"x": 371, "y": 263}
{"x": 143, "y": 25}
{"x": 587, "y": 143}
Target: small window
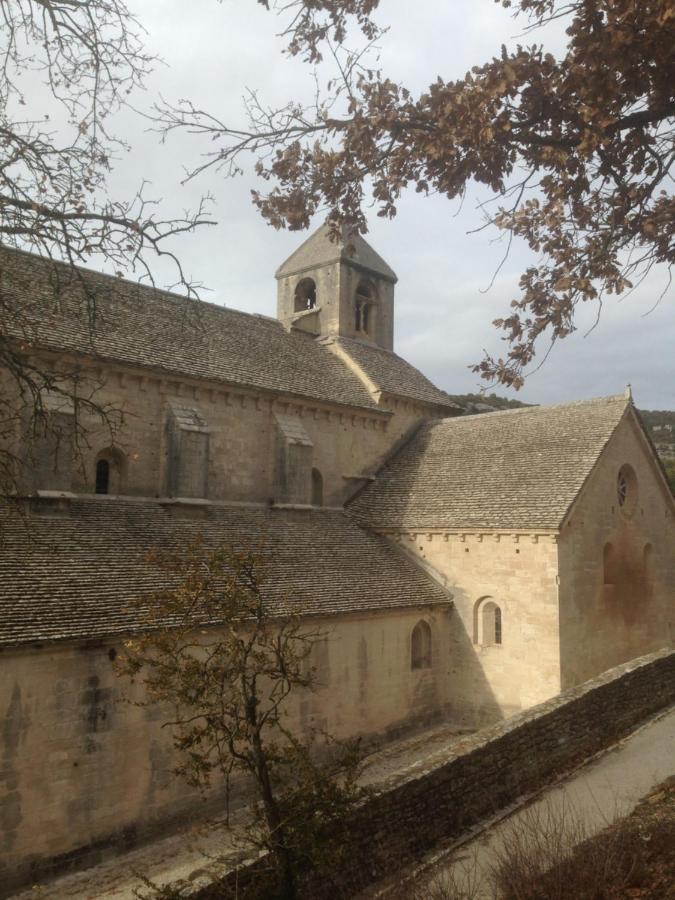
{"x": 305, "y": 295}
{"x": 110, "y": 472}
{"x": 498, "y": 625}
{"x": 420, "y": 646}
{"x": 626, "y": 490}
{"x": 487, "y": 623}
{"x": 492, "y": 624}
{"x": 102, "y": 476}
{"x": 317, "y": 488}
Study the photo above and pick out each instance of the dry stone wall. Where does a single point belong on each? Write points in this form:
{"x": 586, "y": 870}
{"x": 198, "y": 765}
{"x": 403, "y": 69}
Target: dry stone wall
{"x": 440, "y": 801}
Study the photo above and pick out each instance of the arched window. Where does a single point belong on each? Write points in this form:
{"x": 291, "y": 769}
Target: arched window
{"x": 110, "y": 472}
{"x": 102, "y": 476}
{"x": 317, "y": 488}
{"x": 609, "y": 564}
{"x": 497, "y": 624}
{"x": 364, "y": 309}
{"x": 487, "y": 623}
{"x": 305, "y": 295}
{"x": 420, "y": 646}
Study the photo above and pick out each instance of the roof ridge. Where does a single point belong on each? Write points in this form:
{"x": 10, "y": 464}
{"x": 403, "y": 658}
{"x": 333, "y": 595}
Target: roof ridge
{"x": 522, "y": 473}
{"x": 340, "y": 338}
{"x": 164, "y": 293}
{"x": 531, "y": 408}
{"x": 138, "y": 324}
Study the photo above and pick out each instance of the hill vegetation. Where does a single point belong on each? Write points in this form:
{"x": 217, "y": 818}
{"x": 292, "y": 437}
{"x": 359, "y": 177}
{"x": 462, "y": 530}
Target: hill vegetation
{"x": 480, "y": 403}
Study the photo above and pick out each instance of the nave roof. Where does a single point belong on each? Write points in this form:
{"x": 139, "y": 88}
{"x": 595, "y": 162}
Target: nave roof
{"x": 74, "y": 576}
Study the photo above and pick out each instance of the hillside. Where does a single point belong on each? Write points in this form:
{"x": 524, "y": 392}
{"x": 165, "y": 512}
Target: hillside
{"x": 483, "y": 403}
{"x": 660, "y": 425}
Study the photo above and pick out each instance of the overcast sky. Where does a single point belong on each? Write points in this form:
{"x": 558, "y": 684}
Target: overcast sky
{"x": 215, "y": 51}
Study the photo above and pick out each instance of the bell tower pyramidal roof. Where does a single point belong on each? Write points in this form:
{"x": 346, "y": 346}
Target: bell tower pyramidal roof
{"x": 337, "y": 287}
{"x": 322, "y": 249}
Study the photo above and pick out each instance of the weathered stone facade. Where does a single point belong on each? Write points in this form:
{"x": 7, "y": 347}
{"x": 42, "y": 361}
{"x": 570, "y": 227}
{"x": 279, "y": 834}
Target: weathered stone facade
{"x": 466, "y": 567}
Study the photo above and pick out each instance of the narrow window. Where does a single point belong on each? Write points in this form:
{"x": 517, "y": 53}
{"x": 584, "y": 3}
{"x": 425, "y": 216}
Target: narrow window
{"x": 498, "y": 625}
{"x": 102, "y": 476}
{"x": 487, "y": 623}
{"x": 317, "y": 488}
{"x": 420, "y": 646}
{"x": 110, "y": 473}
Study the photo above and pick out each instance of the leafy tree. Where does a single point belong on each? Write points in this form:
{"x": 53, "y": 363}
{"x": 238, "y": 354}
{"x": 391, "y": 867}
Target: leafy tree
{"x": 578, "y": 150}
{"x": 669, "y": 466}
{"x": 214, "y": 652}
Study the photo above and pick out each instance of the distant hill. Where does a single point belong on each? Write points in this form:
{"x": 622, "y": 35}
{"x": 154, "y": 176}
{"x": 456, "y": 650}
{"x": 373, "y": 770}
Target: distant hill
{"x": 483, "y": 403}
{"x": 660, "y": 425}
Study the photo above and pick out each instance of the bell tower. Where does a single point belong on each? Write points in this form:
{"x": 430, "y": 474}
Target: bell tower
{"x": 337, "y": 287}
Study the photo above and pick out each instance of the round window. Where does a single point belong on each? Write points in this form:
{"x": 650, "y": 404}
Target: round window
{"x": 626, "y": 490}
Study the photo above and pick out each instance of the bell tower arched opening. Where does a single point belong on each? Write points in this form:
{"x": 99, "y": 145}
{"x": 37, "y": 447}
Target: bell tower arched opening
{"x": 305, "y": 295}
{"x": 364, "y": 308}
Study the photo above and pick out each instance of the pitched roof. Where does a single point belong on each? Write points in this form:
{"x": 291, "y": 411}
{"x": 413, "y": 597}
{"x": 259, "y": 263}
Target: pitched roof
{"x": 391, "y": 374}
{"x": 140, "y": 326}
{"x": 74, "y": 576}
{"x": 520, "y": 469}
{"x": 320, "y": 250}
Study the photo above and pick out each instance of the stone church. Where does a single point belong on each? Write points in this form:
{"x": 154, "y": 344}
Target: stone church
{"x": 462, "y": 567}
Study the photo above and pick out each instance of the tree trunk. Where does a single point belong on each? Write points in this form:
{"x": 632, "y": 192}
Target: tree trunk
{"x": 278, "y": 844}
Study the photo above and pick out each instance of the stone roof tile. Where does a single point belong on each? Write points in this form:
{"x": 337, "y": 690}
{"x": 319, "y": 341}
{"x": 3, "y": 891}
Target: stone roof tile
{"x": 74, "y": 576}
{"x": 140, "y": 326}
{"x": 320, "y": 250}
{"x": 391, "y": 373}
{"x": 516, "y": 469}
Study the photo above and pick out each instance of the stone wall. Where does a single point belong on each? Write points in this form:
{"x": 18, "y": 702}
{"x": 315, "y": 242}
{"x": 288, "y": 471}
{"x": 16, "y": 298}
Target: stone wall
{"x": 519, "y": 573}
{"x": 607, "y": 617}
{"x": 85, "y": 774}
{"x": 242, "y": 435}
{"x": 438, "y": 802}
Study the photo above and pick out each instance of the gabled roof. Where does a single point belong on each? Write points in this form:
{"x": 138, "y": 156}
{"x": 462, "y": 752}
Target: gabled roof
{"x": 520, "y": 469}
{"x": 140, "y": 326}
{"x": 75, "y": 576}
{"x": 390, "y": 374}
{"x": 320, "y": 250}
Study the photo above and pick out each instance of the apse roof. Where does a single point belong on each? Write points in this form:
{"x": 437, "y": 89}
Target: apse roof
{"x": 520, "y": 469}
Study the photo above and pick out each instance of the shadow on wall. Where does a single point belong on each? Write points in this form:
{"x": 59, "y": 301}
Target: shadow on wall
{"x": 627, "y": 578}
{"x": 472, "y": 702}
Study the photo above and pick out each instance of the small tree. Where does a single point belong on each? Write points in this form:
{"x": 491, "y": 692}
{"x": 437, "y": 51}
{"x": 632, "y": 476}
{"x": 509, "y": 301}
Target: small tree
{"x": 214, "y": 651}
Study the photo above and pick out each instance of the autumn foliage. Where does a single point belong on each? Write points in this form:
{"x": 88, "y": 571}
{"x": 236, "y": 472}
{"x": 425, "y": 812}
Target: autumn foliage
{"x": 577, "y": 150}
